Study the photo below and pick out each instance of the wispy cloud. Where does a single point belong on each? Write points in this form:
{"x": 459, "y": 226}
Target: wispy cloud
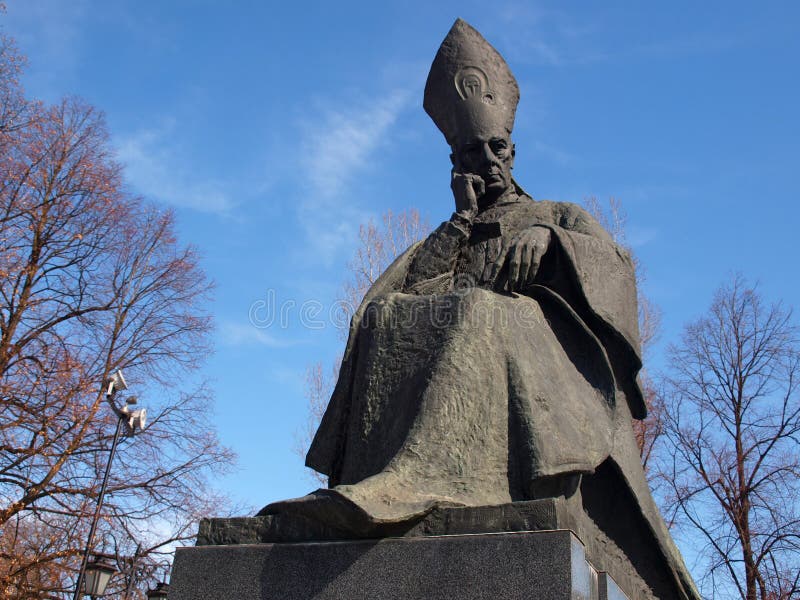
{"x": 339, "y": 145}
{"x": 546, "y": 36}
{"x": 641, "y": 236}
{"x": 157, "y": 168}
{"x": 556, "y": 155}
{"x": 246, "y": 334}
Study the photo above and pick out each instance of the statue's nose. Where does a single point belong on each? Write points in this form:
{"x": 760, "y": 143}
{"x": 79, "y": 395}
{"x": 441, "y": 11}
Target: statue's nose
{"x": 487, "y": 153}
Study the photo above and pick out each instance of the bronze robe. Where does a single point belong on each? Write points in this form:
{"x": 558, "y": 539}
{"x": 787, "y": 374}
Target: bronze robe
{"x": 452, "y": 392}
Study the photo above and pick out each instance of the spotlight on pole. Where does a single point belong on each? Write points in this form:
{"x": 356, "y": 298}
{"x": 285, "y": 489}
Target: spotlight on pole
{"x": 130, "y": 420}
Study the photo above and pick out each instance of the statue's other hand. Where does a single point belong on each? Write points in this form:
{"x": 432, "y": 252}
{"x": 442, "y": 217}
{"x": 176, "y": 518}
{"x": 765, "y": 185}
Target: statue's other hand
{"x": 523, "y": 257}
{"x": 467, "y": 188}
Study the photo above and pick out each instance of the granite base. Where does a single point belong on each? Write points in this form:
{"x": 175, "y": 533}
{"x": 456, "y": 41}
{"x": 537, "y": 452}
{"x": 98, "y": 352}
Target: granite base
{"x": 546, "y": 565}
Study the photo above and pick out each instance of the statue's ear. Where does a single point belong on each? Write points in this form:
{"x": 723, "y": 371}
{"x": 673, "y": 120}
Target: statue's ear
{"x": 453, "y": 158}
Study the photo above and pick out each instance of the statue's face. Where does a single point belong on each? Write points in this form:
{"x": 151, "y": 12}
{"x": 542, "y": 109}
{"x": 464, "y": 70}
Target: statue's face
{"x": 489, "y": 156}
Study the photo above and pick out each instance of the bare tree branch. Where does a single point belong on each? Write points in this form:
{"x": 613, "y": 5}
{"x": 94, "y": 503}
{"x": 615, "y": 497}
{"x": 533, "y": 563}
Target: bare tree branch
{"x": 733, "y": 417}
{"x": 92, "y": 280}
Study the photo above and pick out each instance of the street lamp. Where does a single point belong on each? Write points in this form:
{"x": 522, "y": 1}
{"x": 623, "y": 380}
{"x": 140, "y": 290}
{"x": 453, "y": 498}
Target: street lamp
{"x": 98, "y": 574}
{"x": 160, "y": 592}
{"x": 132, "y": 420}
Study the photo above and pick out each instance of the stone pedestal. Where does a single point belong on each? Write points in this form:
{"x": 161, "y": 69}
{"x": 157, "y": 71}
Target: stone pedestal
{"x": 545, "y": 565}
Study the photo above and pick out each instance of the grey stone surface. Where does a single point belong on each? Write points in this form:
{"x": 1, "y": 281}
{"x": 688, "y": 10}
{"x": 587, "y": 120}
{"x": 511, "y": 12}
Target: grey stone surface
{"x": 547, "y": 565}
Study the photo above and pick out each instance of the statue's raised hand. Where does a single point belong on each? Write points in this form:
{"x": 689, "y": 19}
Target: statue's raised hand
{"x": 467, "y": 188}
{"x": 523, "y": 257}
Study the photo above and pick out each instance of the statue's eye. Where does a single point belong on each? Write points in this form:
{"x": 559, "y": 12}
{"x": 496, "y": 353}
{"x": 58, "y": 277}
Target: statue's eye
{"x": 472, "y": 150}
{"x": 498, "y": 146}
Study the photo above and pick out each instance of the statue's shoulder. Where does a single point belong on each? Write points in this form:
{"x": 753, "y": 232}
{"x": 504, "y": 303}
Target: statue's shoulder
{"x": 567, "y": 215}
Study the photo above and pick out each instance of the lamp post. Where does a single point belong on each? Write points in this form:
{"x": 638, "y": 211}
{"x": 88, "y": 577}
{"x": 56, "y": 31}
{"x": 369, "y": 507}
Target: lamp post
{"x": 97, "y": 575}
{"x": 131, "y": 420}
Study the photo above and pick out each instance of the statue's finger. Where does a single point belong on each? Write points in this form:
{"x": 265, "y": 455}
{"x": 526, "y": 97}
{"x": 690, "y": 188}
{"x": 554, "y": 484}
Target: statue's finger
{"x": 493, "y": 270}
{"x": 513, "y": 267}
{"x": 498, "y": 265}
{"x": 525, "y": 264}
{"x": 534, "y": 268}
{"x": 479, "y": 185}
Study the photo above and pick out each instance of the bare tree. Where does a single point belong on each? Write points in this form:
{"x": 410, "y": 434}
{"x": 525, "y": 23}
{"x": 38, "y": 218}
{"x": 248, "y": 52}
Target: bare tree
{"x": 92, "y": 280}
{"x": 649, "y": 430}
{"x": 378, "y": 246}
{"x": 14, "y": 107}
{"x": 733, "y": 420}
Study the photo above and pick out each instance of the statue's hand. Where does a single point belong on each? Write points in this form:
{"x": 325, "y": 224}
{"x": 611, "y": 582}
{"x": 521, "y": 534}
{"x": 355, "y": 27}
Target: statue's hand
{"x": 523, "y": 256}
{"x": 467, "y": 188}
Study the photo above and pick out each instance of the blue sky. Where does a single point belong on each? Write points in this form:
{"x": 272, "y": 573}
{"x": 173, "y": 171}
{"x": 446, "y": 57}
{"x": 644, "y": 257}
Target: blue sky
{"x": 275, "y": 129}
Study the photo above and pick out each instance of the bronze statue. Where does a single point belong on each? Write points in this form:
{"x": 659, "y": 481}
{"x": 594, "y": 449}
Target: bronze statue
{"x": 496, "y": 361}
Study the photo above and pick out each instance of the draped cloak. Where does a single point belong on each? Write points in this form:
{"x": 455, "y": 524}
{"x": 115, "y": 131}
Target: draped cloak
{"x": 445, "y": 378}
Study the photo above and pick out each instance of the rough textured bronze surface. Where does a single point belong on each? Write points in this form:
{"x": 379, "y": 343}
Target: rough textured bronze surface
{"x": 519, "y": 516}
